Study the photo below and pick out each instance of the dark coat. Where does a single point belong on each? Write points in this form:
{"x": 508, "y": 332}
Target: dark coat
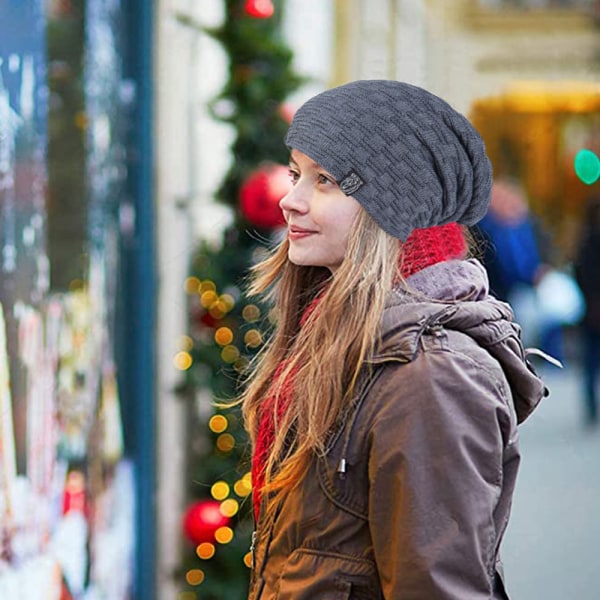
{"x": 412, "y": 498}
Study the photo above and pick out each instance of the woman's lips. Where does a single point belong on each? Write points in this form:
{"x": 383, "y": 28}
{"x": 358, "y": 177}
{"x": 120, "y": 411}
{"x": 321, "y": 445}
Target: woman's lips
{"x": 297, "y": 233}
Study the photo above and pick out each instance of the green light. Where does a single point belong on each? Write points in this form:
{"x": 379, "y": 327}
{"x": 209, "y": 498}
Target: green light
{"x": 587, "y": 166}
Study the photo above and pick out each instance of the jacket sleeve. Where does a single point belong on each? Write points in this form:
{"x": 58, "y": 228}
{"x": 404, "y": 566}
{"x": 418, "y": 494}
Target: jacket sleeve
{"x": 437, "y": 452}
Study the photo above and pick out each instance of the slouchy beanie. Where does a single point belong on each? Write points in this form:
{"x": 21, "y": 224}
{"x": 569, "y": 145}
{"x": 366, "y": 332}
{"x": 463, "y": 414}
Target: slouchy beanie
{"x": 409, "y": 158}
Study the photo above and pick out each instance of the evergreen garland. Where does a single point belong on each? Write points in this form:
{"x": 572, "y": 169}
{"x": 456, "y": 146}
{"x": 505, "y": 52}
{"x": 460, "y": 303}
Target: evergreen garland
{"x": 226, "y": 329}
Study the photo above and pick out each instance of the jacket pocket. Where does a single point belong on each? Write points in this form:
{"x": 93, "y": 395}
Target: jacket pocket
{"x": 318, "y": 575}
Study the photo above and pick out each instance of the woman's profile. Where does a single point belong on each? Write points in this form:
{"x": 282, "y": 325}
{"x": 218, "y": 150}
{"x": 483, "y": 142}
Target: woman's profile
{"x": 383, "y": 411}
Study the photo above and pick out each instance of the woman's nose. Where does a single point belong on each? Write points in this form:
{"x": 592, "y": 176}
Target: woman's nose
{"x": 295, "y": 200}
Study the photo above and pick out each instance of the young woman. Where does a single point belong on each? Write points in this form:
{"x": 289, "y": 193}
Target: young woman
{"x": 383, "y": 411}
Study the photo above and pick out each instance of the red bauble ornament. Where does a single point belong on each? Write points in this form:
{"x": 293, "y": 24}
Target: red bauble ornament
{"x": 259, "y": 9}
{"x": 260, "y": 195}
{"x": 201, "y": 521}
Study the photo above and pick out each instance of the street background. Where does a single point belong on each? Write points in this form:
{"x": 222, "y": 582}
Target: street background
{"x": 550, "y": 551}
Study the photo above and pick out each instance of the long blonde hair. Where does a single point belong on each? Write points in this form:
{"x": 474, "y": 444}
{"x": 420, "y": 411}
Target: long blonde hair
{"x": 322, "y": 357}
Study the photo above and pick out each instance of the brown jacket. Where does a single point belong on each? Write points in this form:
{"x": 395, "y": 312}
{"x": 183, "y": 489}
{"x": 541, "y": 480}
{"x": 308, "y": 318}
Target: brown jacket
{"x": 412, "y": 498}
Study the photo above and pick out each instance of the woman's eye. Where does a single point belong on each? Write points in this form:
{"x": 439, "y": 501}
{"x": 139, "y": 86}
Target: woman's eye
{"x": 294, "y": 176}
{"x": 324, "y": 179}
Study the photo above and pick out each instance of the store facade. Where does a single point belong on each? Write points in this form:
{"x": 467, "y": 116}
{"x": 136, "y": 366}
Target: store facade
{"x": 76, "y": 292}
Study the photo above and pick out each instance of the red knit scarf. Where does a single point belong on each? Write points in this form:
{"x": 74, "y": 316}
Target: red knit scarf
{"x": 423, "y": 248}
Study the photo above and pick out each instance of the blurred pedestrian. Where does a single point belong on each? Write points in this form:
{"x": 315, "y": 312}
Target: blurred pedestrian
{"x": 587, "y": 273}
{"x": 383, "y": 411}
{"x": 513, "y": 240}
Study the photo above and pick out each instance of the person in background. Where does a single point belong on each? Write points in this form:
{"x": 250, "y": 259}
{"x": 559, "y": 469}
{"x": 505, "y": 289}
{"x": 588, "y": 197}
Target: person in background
{"x": 587, "y": 275}
{"x": 383, "y": 409}
{"x": 513, "y": 257}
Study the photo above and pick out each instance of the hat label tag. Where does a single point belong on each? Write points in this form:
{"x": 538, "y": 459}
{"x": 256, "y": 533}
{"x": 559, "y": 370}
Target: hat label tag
{"x": 351, "y": 183}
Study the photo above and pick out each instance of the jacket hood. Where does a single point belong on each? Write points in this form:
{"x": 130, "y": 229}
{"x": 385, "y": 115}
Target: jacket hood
{"x": 455, "y": 295}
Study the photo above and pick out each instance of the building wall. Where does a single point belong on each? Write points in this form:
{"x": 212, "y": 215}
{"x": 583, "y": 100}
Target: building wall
{"x": 459, "y": 50}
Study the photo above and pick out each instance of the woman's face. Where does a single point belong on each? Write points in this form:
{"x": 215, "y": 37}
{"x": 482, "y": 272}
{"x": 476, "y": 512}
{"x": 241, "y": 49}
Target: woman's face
{"x": 318, "y": 214}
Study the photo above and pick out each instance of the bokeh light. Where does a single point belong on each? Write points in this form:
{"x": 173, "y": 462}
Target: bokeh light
{"x": 207, "y": 286}
{"x": 253, "y": 338}
{"x": 194, "y": 576}
{"x": 223, "y": 336}
{"x": 587, "y": 166}
{"x": 218, "y": 423}
{"x": 226, "y": 442}
{"x": 186, "y": 343}
{"x": 191, "y": 285}
{"x": 248, "y": 559}
{"x": 224, "y": 535}
{"x": 219, "y": 490}
{"x": 229, "y": 507}
{"x": 208, "y": 298}
{"x": 228, "y": 300}
{"x": 230, "y": 354}
{"x": 205, "y": 550}
{"x": 251, "y": 313}
{"x": 182, "y": 361}
{"x": 242, "y": 488}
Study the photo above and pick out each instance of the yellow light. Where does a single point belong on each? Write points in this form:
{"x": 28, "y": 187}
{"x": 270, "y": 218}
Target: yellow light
{"x": 242, "y": 488}
{"x": 241, "y": 364}
{"x": 228, "y": 300}
{"x": 207, "y": 286}
{"x": 218, "y": 310}
{"x": 230, "y": 354}
{"x": 205, "y": 551}
{"x": 208, "y": 298}
{"x": 218, "y": 423}
{"x": 219, "y": 490}
{"x": 253, "y": 338}
{"x": 182, "y": 361}
{"x": 251, "y": 313}
{"x": 223, "y": 336}
{"x": 229, "y": 507}
{"x": 186, "y": 343}
{"x": 248, "y": 559}
{"x": 226, "y": 442}
{"x": 194, "y": 576}
{"x": 224, "y": 535}
{"x": 186, "y": 596}
{"x": 191, "y": 285}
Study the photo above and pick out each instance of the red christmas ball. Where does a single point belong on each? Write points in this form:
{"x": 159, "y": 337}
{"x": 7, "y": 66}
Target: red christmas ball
{"x": 260, "y": 195}
{"x": 259, "y": 9}
{"x": 202, "y": 519}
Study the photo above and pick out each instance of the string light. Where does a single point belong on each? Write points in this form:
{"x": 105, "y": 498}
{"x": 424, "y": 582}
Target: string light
{"x": 205, "y": 550}
{"x": 253, "y": 338}
{"x": 191, "y": 285}
{"x": 207, "y": 286}
{"x": 219, "y": 490}
{"x": 251, "y": 313}
{"x": 228, "y": 300}
{"x": 194, "y": 576}
{"x": 242, "y": 487}
{"x": 224, "y": 535}
{"x": 225, "y": 442}
{"x": 186, "y": 343}
{"x": 182, "y": 361}
{"x": 229, "y": 507}
{"x": 230, "y": 354}
{"x": 223, "y": 336}
{"x": 218, "y": 424}
{"x": 208, "y": 298}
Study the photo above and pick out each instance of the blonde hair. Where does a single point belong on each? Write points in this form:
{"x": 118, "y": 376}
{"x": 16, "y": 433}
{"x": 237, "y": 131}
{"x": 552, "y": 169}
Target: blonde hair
{"x": 323, "y": 357}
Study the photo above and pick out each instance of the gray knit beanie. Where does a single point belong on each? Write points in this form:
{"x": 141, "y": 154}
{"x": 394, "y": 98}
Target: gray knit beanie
{"x": 406, "y": 155}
